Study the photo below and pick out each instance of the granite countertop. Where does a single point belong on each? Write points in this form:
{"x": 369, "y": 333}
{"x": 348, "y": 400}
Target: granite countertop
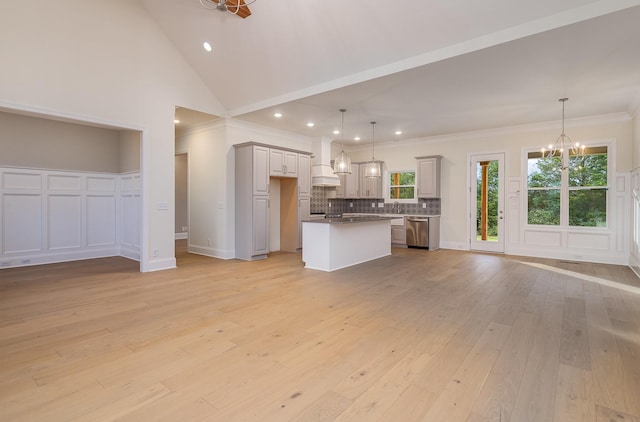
{"x": 350, "y": 220}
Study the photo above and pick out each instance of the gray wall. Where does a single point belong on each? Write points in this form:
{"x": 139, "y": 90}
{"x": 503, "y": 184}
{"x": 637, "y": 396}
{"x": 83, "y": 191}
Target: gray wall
{"x": 35, "y": 142}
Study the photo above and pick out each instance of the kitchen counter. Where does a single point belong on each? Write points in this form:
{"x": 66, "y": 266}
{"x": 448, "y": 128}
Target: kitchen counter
{"x": 351, "y": 219}
{"x": 335, "y": 243}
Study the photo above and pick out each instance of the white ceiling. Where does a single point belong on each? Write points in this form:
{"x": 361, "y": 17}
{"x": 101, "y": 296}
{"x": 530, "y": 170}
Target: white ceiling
{"x": 426, "y": 67}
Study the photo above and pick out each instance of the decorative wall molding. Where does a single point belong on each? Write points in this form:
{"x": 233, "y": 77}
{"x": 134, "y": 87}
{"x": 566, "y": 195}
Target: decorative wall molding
{"x": 634, "y": 254}
{"x": 54, "y": 216}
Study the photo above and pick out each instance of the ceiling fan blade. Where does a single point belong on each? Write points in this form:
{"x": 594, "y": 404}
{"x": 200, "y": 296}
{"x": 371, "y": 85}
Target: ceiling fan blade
{"x": 238, "y": 7}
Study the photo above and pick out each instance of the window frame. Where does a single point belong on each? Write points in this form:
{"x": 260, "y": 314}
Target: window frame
{"x": 387, "y": 186}
{"x": 565, "y": 189}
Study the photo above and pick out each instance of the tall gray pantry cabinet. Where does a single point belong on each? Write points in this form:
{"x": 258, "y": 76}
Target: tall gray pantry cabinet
{"x": 255, "y": 165}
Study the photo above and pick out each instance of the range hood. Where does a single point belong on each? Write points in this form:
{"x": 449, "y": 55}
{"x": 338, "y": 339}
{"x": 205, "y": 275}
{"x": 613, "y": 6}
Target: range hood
{"x": 321, "y": 171}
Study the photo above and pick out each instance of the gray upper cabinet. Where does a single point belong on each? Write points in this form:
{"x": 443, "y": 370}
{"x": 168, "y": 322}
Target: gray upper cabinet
{"x": 428, "y": 176}
{"x": 304, "y": 175}
{"x": 260, "y": 170}
{"x": 283, "y": 163}
{"x": 370, "y": 187}
{"x": 352, "y": 182}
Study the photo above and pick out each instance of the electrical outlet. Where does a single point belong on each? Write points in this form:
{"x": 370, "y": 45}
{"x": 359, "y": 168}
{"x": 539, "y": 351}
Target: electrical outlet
{"x": 380, "y": 204}
{"x": 373, "y": 205}
{"x": 155, "y": 253}
{"x": 185, "y": 228}
{"x": 424, "y": 205}
{"x": 350, "y": 204}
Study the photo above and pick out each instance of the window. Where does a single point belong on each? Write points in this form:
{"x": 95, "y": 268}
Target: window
{"x": 402, "y": 186}
{"x": 576, "y": 196}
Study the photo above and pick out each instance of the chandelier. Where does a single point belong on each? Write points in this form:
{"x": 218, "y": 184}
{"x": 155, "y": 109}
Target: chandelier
{"x": 342, "y": 163}
{"x": 564, "y": 146}
{"x": 372, "y": 168}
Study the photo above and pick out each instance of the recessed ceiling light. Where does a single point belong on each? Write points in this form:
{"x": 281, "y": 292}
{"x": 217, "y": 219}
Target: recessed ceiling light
{"x": 336, "y": 132}
{"x": 278, "y": 115}
{"x": 310, "y": 124}
{"x": 398, "y": 132}
{"x": 207, "y": 46}
{"x": 357, "y": 138}
{"x": 176, "y": 121}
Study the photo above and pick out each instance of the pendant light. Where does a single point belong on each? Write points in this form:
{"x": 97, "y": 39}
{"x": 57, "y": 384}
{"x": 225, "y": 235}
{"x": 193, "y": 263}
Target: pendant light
{"x": 373, "y": 168}
{"x": 342, "y": 163}
{"x": 564, "y": 146}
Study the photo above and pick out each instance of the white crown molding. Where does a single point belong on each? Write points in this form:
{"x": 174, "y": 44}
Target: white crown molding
{"x": 508, "y": 130}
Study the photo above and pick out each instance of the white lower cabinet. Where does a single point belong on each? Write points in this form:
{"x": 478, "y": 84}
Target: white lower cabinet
{"x": 398, "y": 232}
{"x": 260, "y": 225}
{"x": 398, "y": 235}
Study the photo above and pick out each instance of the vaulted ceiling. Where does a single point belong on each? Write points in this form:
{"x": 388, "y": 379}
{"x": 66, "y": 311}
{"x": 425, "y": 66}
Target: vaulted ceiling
{"x": 425, "y": 67}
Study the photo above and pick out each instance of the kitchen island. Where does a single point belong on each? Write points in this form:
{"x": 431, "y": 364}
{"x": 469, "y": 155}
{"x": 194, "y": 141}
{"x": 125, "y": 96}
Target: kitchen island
{"x": 333, "y": 243}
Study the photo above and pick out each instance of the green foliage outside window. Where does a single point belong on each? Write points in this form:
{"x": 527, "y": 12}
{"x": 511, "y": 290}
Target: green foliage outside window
{"x": 586, "y": 183}
{"x": 402, "y": 185}
{"x": 492, "y": 198}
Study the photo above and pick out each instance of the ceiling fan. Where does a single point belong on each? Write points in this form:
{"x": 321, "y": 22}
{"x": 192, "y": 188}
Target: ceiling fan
{"x": 236, "y": 7}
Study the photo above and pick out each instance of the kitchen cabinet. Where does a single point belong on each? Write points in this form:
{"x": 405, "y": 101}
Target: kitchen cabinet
{"x": 260, "y": 244}
{"x": 283, "y": 163}
{"x": 255, "y": 164}
{"x": 349, "y": 184}
{"x": 304, "y": 175}
{"x": 252, "y": 201}
{"x": 352, "y": 182}
{"x": 398, "y": 232}
{"x": 428, "y": 176}
{"x": 370, "y": 187}
{"x": 260, "y": 170}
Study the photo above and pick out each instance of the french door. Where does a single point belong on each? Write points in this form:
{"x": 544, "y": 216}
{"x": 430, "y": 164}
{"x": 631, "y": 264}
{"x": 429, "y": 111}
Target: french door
{"x": 486, "y": 201}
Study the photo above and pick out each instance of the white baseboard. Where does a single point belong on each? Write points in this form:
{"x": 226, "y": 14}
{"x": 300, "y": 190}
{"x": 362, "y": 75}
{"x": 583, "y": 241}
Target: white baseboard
{"x": 52, "y": 258}
{"x": 634, "y": 264}
{"x": 453, "y": 245}
{"x": 211, "y": 252}
{"x": 159, "y": 265}
{"x": 184, "y": 235}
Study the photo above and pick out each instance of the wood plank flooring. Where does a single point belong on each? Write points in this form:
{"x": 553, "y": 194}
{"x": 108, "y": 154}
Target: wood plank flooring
{"x": 416, "y": 336}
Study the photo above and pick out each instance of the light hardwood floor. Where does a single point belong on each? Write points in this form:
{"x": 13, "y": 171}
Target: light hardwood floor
{"x": 434, "y": 336}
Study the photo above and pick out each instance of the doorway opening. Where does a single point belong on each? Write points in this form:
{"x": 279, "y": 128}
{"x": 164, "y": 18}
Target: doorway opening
{"x": 487, "y": 202}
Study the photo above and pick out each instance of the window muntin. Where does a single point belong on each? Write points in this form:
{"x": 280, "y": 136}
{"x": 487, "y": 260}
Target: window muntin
{"x": 575, "y": 197}
{"x": 402, "y": 185}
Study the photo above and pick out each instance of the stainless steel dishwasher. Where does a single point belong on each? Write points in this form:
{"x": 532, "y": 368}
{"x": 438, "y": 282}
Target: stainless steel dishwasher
{"x": 423, "y": 232}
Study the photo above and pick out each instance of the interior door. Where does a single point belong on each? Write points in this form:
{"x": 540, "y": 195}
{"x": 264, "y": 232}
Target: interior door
{"x": 486, "y": 201}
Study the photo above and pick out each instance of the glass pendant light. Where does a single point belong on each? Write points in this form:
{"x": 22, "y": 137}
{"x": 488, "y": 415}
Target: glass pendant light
{"x": 564, "y": 146}
{"x": 342, "y": 162}
{"x": 373, "y": 168}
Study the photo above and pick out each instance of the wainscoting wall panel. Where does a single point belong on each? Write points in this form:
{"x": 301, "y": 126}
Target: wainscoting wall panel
{"x": 634, "y": 256}
{"x": 609, "y": 244}
{"x": 52, "y": 216}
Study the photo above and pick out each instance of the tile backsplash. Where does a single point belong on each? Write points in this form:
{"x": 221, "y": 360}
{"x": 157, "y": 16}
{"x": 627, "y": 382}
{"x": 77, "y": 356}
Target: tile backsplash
{"x": 322, "y": 196}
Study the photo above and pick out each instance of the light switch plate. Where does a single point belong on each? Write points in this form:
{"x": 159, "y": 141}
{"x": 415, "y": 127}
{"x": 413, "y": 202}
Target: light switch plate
{"x": 424, "y": 205}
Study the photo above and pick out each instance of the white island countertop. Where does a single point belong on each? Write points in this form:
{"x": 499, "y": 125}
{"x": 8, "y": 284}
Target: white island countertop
{"x": 333, "y": 243}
